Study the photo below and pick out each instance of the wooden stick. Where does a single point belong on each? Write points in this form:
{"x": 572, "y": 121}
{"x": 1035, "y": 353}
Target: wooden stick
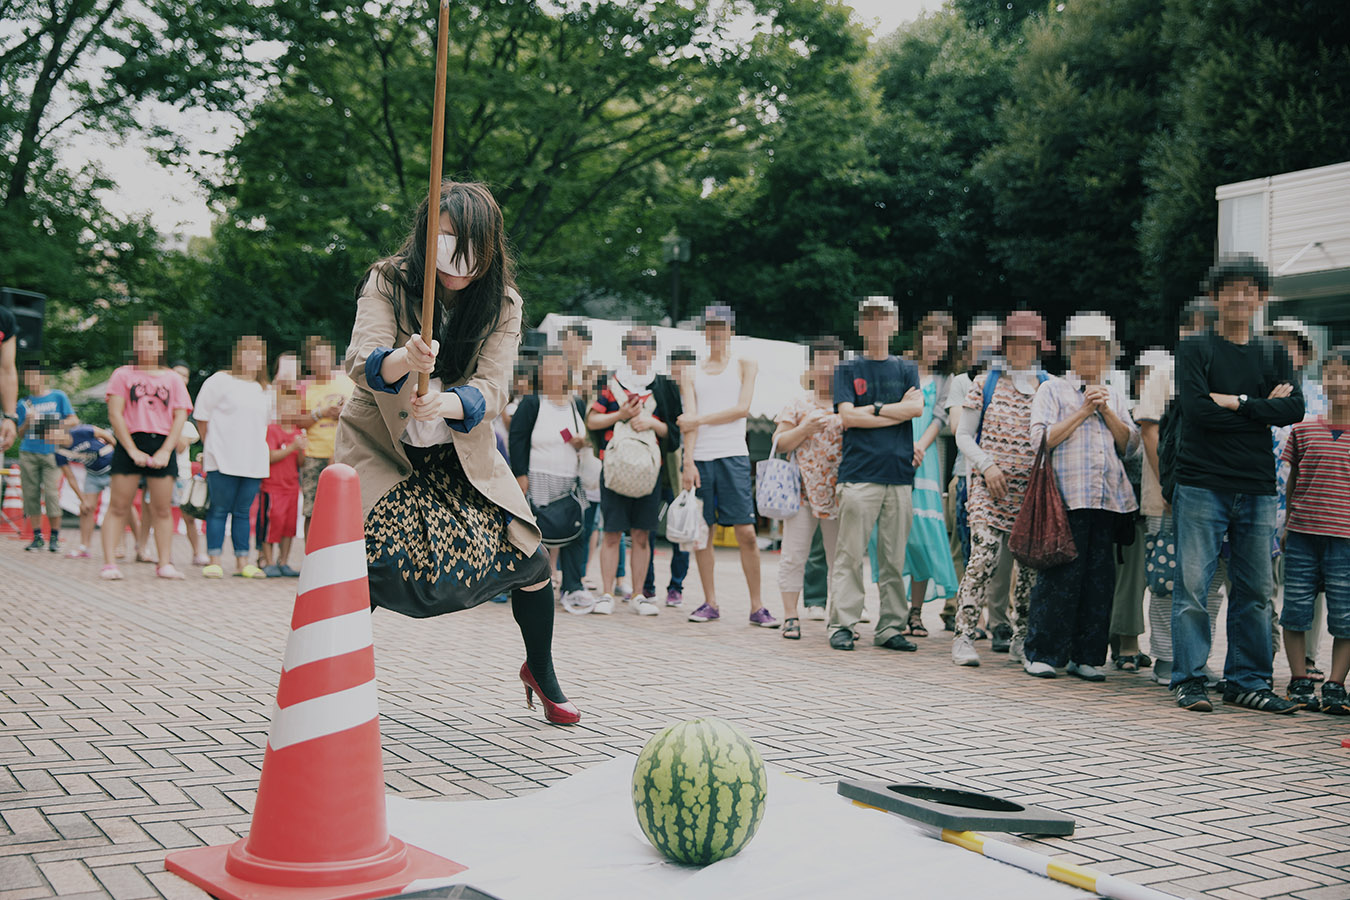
{"x": 434, "y": 194}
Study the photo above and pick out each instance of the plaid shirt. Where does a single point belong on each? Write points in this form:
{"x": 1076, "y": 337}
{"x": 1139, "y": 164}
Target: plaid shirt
{"x": 1090, "y": 473}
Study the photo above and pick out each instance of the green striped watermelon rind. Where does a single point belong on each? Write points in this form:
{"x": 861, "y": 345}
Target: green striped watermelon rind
{"x": 721, "y": 797}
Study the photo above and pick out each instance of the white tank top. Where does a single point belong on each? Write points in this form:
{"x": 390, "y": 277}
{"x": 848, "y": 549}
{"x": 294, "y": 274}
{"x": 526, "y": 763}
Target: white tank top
{"x": 714, "y": 393}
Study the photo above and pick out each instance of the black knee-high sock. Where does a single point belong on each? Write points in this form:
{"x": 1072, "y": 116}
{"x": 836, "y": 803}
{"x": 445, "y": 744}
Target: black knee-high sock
{"x": 534, "y": 614}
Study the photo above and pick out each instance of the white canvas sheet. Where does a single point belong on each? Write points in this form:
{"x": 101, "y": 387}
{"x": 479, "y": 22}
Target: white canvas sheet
{"x": 580, "y": 839}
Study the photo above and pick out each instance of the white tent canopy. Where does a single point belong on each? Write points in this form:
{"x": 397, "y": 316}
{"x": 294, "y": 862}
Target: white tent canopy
{"x": 781, "y": 363}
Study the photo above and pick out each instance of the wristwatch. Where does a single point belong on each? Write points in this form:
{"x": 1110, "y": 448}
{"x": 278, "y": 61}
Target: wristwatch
{"x": 876, "y": 408}
{"x": 1242, "y": 401}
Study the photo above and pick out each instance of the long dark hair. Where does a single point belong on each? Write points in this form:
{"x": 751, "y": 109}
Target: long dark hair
{"x": 477, "y": 222}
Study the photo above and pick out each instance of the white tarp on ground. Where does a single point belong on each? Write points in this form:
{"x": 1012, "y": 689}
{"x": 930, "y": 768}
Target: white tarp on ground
{"x": 781, "y": 363}
{"x": 580, "y": 839}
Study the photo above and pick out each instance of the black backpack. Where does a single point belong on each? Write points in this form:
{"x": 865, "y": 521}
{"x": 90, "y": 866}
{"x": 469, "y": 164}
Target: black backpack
{"x": 1169, "y": 443}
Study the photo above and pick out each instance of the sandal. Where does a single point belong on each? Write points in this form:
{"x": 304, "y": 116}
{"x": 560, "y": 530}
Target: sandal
{"x": 914, "y": 627}
{"x": 1133, "y": 662}
{"x": 1315, "y": 674}
{"x": 792, "y": 629}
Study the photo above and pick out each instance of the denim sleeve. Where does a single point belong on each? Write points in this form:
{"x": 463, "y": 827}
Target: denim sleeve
{"x": 373, "y": 378}
{"x": 474, "y": 407}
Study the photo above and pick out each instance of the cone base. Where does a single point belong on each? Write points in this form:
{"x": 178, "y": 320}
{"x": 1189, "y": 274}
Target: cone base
{"x": 205, "y": 867}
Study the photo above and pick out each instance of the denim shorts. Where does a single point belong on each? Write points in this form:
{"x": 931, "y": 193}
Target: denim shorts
{"x": 96, "y": 482}
{"x": 726, "y": 491}
{"x": 1315, "y": 563}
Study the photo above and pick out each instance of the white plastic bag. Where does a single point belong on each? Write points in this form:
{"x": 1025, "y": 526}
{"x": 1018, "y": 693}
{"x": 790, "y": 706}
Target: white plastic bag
{"x": 683, "y": 518}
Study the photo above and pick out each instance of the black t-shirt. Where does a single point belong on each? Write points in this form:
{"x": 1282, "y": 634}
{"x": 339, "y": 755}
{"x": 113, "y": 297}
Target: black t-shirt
{"x": 876, "y": 455}
{"x": 1219, "y": 449}
{"x": 9, "y": 326}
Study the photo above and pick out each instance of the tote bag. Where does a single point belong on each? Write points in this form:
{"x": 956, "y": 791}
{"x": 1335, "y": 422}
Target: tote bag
{"x": 1040, "y": 535}
{"x": 778, "y": 488}
{"x": 683, "y": 518}
{"x": 1160, "y": 564}
{"x": 562, "y": 521}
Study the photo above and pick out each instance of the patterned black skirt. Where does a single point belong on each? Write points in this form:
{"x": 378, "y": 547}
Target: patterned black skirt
{"x": 435, "y": 545}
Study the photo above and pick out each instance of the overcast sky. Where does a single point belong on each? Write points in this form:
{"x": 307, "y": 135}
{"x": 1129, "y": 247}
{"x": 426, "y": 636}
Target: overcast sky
{"x": 177, "y": 204}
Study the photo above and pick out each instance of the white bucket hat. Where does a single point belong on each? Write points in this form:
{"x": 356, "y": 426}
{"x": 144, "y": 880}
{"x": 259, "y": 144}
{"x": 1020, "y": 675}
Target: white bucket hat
{"x": 1091, "y": 325}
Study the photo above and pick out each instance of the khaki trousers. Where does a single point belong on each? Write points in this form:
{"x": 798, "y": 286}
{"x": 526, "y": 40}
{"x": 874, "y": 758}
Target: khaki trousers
{"x": 890, "y": 508}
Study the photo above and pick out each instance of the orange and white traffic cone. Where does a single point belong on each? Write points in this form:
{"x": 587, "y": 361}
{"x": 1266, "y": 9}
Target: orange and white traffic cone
{"x": 319, "y": 829}
{"x": 12, "y": 521}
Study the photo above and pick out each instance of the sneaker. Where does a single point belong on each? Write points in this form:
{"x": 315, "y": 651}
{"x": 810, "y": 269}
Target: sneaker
{"x": 815, "y": 613}
{"x": 763, "y": 618}
{"x": 644, "y": 605}
{"x": 1087, "y": 673}
{"x": 169, "y": 571}
{"x": 1162, "y": 672}
{"x": 82, "y": 553}
{"x": 604, "y": 606}
{"x": 1039, "y": 669}
{"x": 272, "y": 571}
{"x": 1264, "y": 700}
{"x": 250, "y": 571}
{"x": 1002, "y": 640}
{"x": 674, "y": 597}
{"x": 1192, "y": 695}
{"x": 36, "y": 543}
{"x": 1017, "y": 649}
{"x": 579, "y": 603}
{"x": 110, "y": 572}
{"x": 288, "y": 572}
{"x": 705, "y": 613}
{"x": 54, "y": 545}
{"x": 1303, "y": 692}
{"x": 622, "y": 591}
{"x": 213, "y": 571}
{"x": 842, "y": 639}
{"x": 201, "y": 559}
{"x": 1334, "y": 700}
{"x": 899, "y": 642}
{"x": 963, "y": 651}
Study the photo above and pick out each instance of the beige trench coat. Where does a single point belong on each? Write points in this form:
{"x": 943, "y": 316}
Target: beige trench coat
{"x": 372, "y": 422}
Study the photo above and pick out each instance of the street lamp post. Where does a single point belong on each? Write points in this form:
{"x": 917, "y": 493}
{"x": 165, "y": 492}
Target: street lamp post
{"x": 675, "y": 250}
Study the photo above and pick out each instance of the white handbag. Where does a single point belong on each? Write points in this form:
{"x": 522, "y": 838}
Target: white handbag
{"x": 778, "y": 487}
{"x": 683, "y": 518}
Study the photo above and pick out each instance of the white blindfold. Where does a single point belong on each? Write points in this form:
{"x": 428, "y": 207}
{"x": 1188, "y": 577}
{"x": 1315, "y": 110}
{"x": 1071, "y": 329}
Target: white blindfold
{"x": 446, "y": 261}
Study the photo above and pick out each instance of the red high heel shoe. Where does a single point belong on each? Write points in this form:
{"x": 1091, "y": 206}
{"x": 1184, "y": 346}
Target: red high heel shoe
{"x": 557, "y": 713}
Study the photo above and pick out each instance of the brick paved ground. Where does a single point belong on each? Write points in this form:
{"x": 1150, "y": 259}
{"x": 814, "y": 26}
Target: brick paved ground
{"x": 133, "y": 716}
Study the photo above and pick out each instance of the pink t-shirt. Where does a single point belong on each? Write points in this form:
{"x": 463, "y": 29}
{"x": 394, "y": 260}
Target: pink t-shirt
{"x": 151, "y": 398}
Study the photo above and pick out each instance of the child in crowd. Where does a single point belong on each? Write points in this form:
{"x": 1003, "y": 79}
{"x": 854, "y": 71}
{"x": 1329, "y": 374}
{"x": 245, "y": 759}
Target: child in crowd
{"x": 91, "y": 447}
{"x": 1317, "y": 539}
{"x": 279, "y": 508}
{"x": 43, "y": 408}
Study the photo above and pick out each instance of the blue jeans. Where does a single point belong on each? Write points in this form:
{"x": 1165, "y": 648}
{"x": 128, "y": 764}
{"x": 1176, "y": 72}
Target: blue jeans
{"x": 231, "y": 498}
{"x": 1314, "y": 563}
{"x": 1202, "y": 519}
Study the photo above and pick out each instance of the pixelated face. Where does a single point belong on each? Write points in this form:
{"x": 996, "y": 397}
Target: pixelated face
{"x": 823, "y": 365}
{"x": 933, "y": 345}
{"x": 288, "y": 406}
{"x": 1336, "y": 383}
{"x": 1294, "y": 347}
{"x": 877, "y": 326}
{"x": 717, "y": 334}
{"x": 574, "y": 345}
{"x": 984, "y": 338}
{"x": 553, "y": 374}
{"x": 639, "y": 348}
{"x": 250, "y": 355}
{"x": 321, "y": 358}
{"x": 1089, "y": 357}
{"x": 1021, "y": 352}
{"x": 1239, "y": 300}
{"x": 35, "y": 380}
{"x": 147, "y": 343}
{"x": 678, "y": 367}
{"x": 521, "y": 386}
{"x": 288, "y": 368}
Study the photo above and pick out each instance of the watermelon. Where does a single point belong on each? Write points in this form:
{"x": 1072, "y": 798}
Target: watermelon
{"x": 699, "y": 789}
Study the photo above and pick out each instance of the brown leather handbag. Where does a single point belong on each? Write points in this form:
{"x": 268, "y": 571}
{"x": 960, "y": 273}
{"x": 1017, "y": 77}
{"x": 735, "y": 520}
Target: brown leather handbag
{"x": 1040, "y": 536}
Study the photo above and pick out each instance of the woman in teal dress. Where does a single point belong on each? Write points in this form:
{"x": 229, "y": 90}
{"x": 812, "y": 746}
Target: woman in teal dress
{"x": 928, "y": 557}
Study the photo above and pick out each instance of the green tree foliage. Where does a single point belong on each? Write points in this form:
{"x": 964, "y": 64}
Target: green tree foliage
{"x": 1066, "y": 178}
{"x": 1254, "y": 89}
